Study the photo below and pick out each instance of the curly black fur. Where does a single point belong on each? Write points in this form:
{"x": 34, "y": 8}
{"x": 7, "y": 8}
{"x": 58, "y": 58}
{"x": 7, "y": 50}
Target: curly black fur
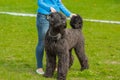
{"x": 59, "y": 42}
{"x": 76, "y": 22}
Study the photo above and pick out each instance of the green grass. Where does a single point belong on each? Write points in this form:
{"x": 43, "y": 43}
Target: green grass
{"x": 18, "y": 39}
{"x": 102, "y": 9}
{"x": 18, "y": 6}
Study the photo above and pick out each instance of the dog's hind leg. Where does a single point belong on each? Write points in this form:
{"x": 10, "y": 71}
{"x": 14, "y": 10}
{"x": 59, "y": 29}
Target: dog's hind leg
{"x": 50, "y": 64}
{"x": 80, "y": 52}
{"x": 71, "y": 58}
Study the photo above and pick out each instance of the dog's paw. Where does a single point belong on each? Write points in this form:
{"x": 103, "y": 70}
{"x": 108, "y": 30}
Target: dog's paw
{"x": 47, "y": 75}
{"x": 83, "y": 68}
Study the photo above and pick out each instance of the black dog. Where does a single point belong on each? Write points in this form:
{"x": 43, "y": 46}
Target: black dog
{"x": 59, "y": 41}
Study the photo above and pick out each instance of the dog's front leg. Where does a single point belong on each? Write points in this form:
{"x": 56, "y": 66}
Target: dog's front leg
{"x": 63, "y": 65}
{"x": 51, "y": 64}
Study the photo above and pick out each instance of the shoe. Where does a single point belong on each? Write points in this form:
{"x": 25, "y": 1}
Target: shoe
{"x": 39, "y": 72}
{"x": 56, "y": 69}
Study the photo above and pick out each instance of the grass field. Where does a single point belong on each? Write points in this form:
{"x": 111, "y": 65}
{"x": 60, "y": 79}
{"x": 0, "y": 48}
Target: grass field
{"x": 18, "y": 39}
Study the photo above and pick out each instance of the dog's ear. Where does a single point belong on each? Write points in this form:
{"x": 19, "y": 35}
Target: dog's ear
{"x": 50, "y": 18}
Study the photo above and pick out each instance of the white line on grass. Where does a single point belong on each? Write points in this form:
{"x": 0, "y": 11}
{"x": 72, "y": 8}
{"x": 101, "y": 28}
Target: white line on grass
{"x": 18, "y": 14}
{"x": 34, "y": 15}
{"x": 103, "y": 21}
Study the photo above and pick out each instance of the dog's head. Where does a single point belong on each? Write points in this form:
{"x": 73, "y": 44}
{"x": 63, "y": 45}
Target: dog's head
{"x": 57, "y": 25}
{"x": 57, "y": 20}
{"x": 76, "y": 22}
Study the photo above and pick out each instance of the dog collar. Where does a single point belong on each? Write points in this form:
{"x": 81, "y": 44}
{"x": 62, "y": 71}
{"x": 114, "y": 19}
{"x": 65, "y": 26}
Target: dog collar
{"x": 56, "y": 37}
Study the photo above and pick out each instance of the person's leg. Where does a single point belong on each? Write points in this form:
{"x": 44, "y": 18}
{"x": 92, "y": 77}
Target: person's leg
{"x": 42, "y": 27}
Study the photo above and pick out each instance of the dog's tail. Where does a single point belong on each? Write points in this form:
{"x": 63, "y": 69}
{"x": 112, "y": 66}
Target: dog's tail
{"x": 76, "y": 22}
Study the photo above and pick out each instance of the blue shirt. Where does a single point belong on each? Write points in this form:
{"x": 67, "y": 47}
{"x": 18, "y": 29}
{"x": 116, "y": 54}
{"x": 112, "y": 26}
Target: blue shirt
{"x": 44, "y": 7}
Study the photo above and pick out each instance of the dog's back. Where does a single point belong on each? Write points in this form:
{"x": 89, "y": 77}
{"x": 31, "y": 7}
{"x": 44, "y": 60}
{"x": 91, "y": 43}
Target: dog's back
{"x": 73, "y": 36}
{"x": 76, "y": 22}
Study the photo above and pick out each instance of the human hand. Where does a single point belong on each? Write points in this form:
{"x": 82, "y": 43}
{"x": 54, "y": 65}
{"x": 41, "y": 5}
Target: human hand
{"x": 52, "y": 9}
{"x": 73, "y": 15}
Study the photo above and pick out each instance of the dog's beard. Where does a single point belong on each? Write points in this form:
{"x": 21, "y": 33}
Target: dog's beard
{"x": 54, "y": 34}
